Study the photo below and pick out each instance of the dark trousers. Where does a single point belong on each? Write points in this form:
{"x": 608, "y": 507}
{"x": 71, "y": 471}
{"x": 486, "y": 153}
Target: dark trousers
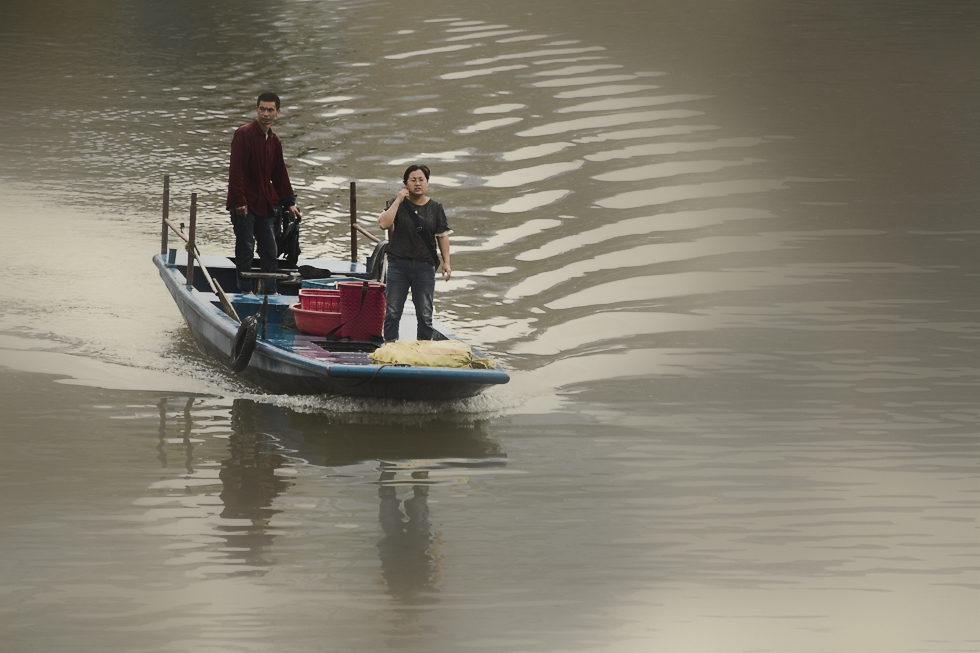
{"x": 252, "y": 230}
{"x": 418, "y": 276}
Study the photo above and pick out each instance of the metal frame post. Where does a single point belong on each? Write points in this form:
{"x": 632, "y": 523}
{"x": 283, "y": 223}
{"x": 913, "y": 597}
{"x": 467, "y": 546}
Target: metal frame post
{"x": 190, "y": 241}
{"x": 353, "y": 222}
{"x": 166, "y": 214}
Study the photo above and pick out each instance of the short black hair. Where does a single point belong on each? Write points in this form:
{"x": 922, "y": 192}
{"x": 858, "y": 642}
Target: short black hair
{"x": 412, "y": 168}
{"x": 268, "y": 96}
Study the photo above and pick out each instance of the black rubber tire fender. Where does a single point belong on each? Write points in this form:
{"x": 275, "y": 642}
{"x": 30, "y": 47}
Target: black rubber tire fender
{"x": 378, "y": 261}
{"x": 244, "y": 346}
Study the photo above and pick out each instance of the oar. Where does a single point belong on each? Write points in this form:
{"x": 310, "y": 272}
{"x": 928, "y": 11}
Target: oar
{"x": 225, "y": 303}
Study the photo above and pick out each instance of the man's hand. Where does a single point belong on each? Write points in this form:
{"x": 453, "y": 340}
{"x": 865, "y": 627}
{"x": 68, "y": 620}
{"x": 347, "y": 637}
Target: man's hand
{"x": 242, "y": 210}
{"x": 296, "y": 213}
{"x": 446, "y": 270}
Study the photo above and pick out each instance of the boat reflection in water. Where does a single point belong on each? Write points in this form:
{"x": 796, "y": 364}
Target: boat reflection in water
{"x": 256, "y": 452}
{"x": 249, "y": 485}
{"x": 232, "y": 526}
{"x": 411, "y": 455}
{"x": 409, "y": 561}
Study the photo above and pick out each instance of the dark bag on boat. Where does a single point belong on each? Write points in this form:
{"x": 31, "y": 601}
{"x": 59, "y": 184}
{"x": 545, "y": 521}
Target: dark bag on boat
{"x": 287, "y": 234}
{"x": 288, "y": 320}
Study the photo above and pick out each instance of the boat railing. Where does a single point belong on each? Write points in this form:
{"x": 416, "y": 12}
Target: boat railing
{"x": 189, "y": 239}
{"x": 193, "y": 253}
{"x": 354, "y": 227}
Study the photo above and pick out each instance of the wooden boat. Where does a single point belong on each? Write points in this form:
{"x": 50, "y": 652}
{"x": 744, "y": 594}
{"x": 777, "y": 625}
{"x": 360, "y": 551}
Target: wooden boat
{"x": 283, "y": 360}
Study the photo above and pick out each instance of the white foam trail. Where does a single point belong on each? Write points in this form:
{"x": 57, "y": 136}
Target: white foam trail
{"x": 85, "y": 371}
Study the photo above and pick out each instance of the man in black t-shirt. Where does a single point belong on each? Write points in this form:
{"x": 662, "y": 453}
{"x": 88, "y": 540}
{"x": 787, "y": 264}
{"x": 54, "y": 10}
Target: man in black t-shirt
{"x": 415, "y": 223}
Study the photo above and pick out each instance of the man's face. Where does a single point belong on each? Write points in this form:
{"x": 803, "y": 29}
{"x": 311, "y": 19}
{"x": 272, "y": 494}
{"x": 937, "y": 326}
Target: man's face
{"x": 266, "y": 113}
{"x": 417, "y": 184}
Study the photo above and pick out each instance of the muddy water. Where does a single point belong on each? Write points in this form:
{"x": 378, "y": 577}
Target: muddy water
{"x": 728, "y": 253}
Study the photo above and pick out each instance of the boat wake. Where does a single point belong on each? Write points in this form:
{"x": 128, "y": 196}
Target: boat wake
{"x": 491, "y": 403}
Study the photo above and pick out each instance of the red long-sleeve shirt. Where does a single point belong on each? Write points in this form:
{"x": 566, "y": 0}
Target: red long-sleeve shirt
{"x": 257, "y": 175}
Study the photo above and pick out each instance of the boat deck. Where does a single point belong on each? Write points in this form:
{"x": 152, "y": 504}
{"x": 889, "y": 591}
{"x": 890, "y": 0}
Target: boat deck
{"x": 340, "y": 352}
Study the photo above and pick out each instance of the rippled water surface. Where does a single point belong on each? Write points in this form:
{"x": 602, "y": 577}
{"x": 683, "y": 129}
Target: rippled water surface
{"x": 728, "y": 252}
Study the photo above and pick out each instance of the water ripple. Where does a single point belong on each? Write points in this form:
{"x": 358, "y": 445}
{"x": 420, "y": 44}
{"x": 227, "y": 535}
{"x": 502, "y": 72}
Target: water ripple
{"x": 670, "y": 194}
{"x": 642, "y": 255}
{"x": 530, "y": 175}
{"x": 613, "y": 120}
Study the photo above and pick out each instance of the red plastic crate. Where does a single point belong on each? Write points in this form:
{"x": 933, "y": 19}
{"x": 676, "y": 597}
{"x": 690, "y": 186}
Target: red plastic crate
{"x": 362, "y": 308}
{"x": 316, "y": 323}
{"x": 319, "y": 300}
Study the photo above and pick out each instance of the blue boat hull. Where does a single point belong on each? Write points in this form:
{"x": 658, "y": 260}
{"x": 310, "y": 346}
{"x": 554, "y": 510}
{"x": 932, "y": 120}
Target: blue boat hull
{"x": 287, "y": 362}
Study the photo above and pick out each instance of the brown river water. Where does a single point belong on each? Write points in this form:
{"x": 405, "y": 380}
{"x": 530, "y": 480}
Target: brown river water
{"x": 728, "y": 252}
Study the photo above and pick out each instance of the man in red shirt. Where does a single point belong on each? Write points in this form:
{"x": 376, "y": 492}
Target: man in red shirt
{"x": 257, "y": 182}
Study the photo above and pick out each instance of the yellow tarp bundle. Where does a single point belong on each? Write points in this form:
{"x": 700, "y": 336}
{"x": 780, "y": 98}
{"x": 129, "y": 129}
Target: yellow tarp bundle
{"x": 429, "y": 353}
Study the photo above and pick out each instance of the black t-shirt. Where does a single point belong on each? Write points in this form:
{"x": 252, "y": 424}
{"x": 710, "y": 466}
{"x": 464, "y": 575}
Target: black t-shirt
{"x": 406, "y": 242}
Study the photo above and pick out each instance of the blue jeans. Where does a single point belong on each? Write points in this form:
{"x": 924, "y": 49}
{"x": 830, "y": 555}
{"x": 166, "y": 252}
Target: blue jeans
{"x": 252, "y": 230}
{"x": 418, "y": 276}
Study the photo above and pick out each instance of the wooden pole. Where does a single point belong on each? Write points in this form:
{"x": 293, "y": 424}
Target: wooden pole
{"x": 166, "y": 214}
{"x": 353, "y": 222}
{"x": 215, "y": 286}
{"x": 265, "y": 314}
{"x": 367, "y": 233}
{"x": 190, "y": 241}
